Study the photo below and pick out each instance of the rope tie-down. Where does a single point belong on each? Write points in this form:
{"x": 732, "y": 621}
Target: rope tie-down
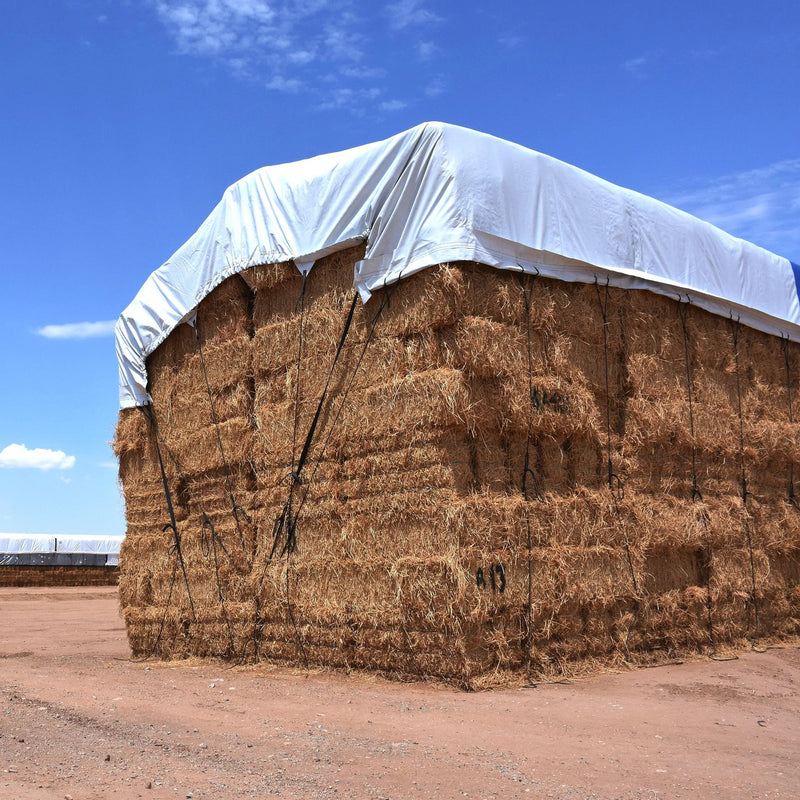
{"x": 529, "y": 478}
{"x": 210, "y": 540}
{"x": 285, "y": 527}
{"x": 175, "y": 549}
{"x": 790, "y": 493}
{"x": 236, "y": 509}
{"x": 616, "y": 487}
{"x": 744, "y": 492}
{"x": 697, "y": 497}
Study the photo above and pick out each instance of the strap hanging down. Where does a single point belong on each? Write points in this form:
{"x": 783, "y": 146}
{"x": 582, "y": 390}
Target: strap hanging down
{"x": 527, "y": 282}
{"x": 209, "y": 538}
{"x": 286, "y": 523}
{"x": 683, "y": 313}
{"x": 236, "y": 509}
{"x": 172, "y": 524}
{"x": 785, "y": 348}
{"x": 385, "y": 300}
{"x": 312, "y": 430}
{"x": 615, "y": 486}
{"x": 735, "y": 331}
{"x": 287, "y": 520}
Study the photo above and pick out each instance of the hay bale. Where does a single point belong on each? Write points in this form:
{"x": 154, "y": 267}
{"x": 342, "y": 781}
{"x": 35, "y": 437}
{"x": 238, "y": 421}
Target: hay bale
{"x": 416, "y": 553}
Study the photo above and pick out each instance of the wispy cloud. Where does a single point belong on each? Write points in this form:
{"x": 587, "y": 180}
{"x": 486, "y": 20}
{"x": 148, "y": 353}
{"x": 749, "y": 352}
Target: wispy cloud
{"x": 643, "y": 65}
{"x": 289, "y": 85}
{"x": 393, "y": 105}
{"x": 435, "y": 87}
{"x": 211, "y": 27}
{"x": 634, "y": 64}
{"x": 426, "y": 50}
{"x": 363, "y": 73}
{"x": 254, "y": 37}
{"x": 17, "y": 456}
{"x": 510, "y": 41}
{"x": 346, "y": 97}
{"x": 640, "y": 66}
{"x": 78, "y": 330}
{"x": 326, "y": 50}
{"x": 406, "y": 13}
{"x": 761, "y": 205}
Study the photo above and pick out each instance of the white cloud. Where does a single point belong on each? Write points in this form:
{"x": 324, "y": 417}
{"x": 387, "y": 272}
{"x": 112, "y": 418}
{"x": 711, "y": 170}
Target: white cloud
{"x": 330, "y": 50}
{"x": 301, "y": 57}
{"x": 345, "y": 97}
{"x": 760, "y": 205}
{"x": 633, "y": 64}
{"x": 212, "y": 26}
{"x": 636, "y": 65}
{"x": 281, "y": 84}
{"x": 405, "y": 13}
{"x": 363, "y": 73}
{"x": 288, "y": 46}
{"x": 393, "y": 105}
{"x": 435, "y": 87}
{"x": 78, "y": 330}
{"x": 341, "y": 43}
{"x": 641, "y": 66}
{"x": 260, "y": 31}
{"x": 17, "y": 456}
{"x": 510, "y": 41}
{"x": 426, "y": 50}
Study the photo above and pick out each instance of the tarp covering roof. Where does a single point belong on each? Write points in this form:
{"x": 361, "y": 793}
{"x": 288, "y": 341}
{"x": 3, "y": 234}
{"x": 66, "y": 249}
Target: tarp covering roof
{"x": 37, "y": 549}
{"x": 44, "y": 543}
{"x": 440, "y": 193}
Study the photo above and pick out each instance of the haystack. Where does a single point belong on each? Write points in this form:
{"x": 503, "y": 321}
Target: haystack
{"x": 477, "y": 474}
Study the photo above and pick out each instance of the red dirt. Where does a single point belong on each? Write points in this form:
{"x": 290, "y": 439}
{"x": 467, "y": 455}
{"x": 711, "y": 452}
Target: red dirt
{"x": 80, "y": 720}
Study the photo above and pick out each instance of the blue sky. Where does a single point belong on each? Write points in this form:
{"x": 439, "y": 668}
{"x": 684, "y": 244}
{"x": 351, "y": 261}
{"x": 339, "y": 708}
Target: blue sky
{"x": 123, "y": 122}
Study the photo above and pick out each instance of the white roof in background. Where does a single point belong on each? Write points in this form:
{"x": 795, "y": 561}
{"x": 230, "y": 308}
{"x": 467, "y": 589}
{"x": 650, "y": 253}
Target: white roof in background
{"x": 440, "y": 193}
{"x": 44, "y": 543}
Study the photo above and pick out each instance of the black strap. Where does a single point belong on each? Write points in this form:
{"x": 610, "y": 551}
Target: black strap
{"x": 735, "y": 331}
{"x": 235, "y": 507}
{"x": 301, "y": 302}
{"x": 527, "y": 283}
{"x": 385, "y": 301}
{"x": 683, "y": 314}
{"x": 172, "y": 524}
{"x": 310, "y": 436}
{"x": 286, "y": 522}
{"x": 785, "y": 348}
{"x": 615, "y": 485}
{"x": 209, "y": 533}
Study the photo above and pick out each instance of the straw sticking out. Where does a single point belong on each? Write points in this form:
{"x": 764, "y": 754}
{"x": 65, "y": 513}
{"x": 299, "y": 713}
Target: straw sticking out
{"x": 412, "y": 532}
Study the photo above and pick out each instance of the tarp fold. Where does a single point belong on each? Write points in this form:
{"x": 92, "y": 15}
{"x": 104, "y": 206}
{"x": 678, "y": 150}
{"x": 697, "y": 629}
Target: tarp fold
{"x": 440, "y": 193}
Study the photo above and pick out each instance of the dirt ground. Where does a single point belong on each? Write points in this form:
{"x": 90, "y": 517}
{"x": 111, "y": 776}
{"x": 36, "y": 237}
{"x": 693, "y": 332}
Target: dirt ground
{"x": 80, "y": 720}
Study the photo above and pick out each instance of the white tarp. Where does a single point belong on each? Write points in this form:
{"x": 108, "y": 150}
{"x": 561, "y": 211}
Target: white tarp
{"x": 42, "y": 543}
{"x": 440, "y": 193}
{"x": 27, "y": 543}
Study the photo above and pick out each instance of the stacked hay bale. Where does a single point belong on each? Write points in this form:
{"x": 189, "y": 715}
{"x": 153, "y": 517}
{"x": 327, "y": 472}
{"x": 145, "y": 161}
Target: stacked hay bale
{"x": 58, "y": 576}
{"x": 499, "y": 479}
{"x": 178, "y": 583}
